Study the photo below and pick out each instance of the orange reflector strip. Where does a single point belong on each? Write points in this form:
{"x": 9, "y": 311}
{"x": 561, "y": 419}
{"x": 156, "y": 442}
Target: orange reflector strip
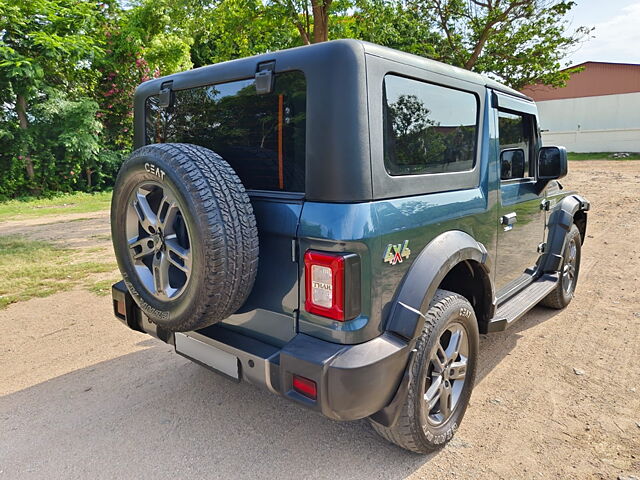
{"x": 121, "y": 309}
{"x": 280, "y": 146}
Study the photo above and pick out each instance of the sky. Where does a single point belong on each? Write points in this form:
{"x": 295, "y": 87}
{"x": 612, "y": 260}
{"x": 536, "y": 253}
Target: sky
{"x": 617, "y": 31}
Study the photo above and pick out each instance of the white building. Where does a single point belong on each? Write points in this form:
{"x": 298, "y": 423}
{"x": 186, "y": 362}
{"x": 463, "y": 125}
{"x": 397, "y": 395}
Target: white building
{"x": 597, "y": 111}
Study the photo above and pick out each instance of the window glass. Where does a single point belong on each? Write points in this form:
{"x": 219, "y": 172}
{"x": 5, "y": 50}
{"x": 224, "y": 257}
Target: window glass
{"x": 261, "y": 136}
{"x": 428, "y": 128}
{"x": 515, "y": 133}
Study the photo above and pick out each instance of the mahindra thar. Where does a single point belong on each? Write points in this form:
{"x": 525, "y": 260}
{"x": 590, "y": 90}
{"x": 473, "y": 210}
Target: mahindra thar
{"x": 338, "y": 223}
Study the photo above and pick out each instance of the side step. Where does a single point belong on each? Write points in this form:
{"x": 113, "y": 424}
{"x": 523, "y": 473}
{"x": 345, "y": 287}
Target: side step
{"x": 515, "y": 308}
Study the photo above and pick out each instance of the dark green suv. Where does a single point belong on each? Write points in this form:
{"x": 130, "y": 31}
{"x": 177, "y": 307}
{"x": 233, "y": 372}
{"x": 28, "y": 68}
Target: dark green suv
{"x": 338, "y": 223}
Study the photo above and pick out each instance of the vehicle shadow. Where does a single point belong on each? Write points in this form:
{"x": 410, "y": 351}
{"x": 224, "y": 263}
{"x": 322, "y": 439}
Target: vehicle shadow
{"x": 154, "y": 414}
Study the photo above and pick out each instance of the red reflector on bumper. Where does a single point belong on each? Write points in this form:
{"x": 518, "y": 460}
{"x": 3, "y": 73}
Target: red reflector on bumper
{"x": 305, "y": 387}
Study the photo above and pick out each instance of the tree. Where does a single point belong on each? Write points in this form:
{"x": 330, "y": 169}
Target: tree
{"x": 311, "y": 18}
{"x": 44, "y": 43}
{"x": 163, "y": 30}
{"x": 239, "y": 28}
{"x": 518, "y": 41}
{"x": 395, "y": 24}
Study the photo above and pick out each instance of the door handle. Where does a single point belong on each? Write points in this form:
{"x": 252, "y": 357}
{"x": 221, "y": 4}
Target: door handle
{"x": 509, "y": 219}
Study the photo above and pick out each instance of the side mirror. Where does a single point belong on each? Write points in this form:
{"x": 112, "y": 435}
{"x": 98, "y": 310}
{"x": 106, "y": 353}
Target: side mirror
{"x": 552, "y": 163}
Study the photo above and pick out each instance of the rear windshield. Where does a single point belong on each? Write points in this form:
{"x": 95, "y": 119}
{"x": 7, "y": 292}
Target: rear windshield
{"x": 261, "y": 136}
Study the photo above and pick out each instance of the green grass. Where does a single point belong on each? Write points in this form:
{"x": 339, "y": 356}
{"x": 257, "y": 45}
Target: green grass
{"x": 102, "y": 287}
{"x": 61, "y": 204}
{"x": 600, "y": 156}
{"x": 30, "y": 268}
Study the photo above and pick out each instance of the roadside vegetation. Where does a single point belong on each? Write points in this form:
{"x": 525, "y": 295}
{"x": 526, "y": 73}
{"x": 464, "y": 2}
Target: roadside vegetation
{"x": 69, "y": 68}
{"x": 78, "y": 202}
{"x": 102, "y": 287}
{"x": 603, "y": 156}
{"x": 32, "y": 268}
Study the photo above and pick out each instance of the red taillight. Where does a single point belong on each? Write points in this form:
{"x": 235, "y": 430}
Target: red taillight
{"x": 324, "y": 281}
{"x": 305, "y": 387}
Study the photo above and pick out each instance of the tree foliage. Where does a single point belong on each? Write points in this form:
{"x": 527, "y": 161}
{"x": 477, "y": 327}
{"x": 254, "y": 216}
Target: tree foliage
{"x": 518, "y": 42}
{"x": 45, "y": 45}
{"x": 69, "y": 68}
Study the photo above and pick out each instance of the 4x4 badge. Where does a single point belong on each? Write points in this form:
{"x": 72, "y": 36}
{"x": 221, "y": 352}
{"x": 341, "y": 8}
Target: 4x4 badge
{"x": 394, "y": 253}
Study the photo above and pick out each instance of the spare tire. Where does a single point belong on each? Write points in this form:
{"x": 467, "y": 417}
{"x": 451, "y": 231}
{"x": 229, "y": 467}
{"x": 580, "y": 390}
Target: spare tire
{"x": 184, "y": 235}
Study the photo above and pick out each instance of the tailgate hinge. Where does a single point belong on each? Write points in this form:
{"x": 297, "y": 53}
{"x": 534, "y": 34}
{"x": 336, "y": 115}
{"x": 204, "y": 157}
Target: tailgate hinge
{"x": 166, "y": 96}
{"x": 265, "y": 77}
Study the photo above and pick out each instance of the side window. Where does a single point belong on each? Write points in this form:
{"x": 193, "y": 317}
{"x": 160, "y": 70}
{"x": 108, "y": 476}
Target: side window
{"x": 428, "y": 128}
{"x": 516, "y": 132}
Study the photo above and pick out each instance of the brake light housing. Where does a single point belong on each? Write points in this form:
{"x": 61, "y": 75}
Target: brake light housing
{"x": 332, "y": 284}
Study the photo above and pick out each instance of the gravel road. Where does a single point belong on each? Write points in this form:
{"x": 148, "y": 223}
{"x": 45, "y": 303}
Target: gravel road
{"x": 558, "y": 395}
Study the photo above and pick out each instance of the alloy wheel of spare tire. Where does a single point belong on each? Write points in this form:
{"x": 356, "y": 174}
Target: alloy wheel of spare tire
{"x": 184, "y": 235}
{"x": 159, "y": 241}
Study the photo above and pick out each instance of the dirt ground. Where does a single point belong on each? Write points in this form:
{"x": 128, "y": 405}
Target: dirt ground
{"x": 558, "y": 395}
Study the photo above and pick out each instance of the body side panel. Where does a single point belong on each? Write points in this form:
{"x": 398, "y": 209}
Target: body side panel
{"x": 368, "y": 228}
{"x": 269, "y": 314}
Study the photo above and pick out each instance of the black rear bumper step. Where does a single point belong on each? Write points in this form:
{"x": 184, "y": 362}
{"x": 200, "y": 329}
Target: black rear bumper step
{"x": 353, "y": 381}
{"x": 515, "y": 308}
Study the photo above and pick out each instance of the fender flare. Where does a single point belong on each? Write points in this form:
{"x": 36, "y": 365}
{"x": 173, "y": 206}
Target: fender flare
{"x": 419, "y": 285}
{"x": 559, "y": 224}
{"x": 417, "y": 289}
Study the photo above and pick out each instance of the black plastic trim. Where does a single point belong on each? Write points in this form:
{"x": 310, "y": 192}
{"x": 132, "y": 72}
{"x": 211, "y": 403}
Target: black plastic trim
{"x": 559, "y": 224}
{"x": 120, "y": 293}
{"x": 420, "y": 283}
{"x": 353, "y": 381}
{"x": 352, "y": 286}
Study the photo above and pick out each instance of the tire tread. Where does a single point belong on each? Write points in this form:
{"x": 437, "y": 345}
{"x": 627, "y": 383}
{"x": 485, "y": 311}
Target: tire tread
{"x": 223, "y": 211}
{"x": 406, "y": 431}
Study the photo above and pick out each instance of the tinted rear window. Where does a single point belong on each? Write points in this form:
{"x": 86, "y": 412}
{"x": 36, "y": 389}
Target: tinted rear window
{"x": 428, "y": 128}
{"x": 261, "y": 136}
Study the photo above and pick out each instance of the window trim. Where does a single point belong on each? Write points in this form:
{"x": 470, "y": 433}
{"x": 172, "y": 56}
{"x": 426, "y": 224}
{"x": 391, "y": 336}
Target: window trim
{"x": 384, "y": 186}
{"x": 477, "y": 126}
{"x": 532, "y": 146}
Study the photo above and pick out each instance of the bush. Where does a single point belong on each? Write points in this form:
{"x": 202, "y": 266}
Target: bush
{"x": 64, "y": 144}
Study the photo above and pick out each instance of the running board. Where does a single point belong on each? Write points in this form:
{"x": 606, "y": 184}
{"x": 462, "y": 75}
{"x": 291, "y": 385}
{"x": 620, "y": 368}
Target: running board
{"x": 515, "y": 308}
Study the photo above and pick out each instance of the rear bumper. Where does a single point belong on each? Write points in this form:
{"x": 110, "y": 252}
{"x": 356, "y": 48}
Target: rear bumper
{"x": 353, "y": 381}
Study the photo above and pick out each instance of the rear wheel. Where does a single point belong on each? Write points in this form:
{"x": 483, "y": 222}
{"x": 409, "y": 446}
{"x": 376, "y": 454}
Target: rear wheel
{"x": 442, "y": 375}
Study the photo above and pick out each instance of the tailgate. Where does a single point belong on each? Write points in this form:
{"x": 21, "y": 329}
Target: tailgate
{"x": 270, "y": 312}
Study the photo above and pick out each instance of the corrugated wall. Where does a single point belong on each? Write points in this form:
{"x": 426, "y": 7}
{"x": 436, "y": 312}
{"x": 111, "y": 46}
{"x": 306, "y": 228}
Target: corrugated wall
{"x": 590, "y": 113}
{"x": 598, "y": 110}
{"x": 595, "y": 80}
{"x": 608, "y": 123}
